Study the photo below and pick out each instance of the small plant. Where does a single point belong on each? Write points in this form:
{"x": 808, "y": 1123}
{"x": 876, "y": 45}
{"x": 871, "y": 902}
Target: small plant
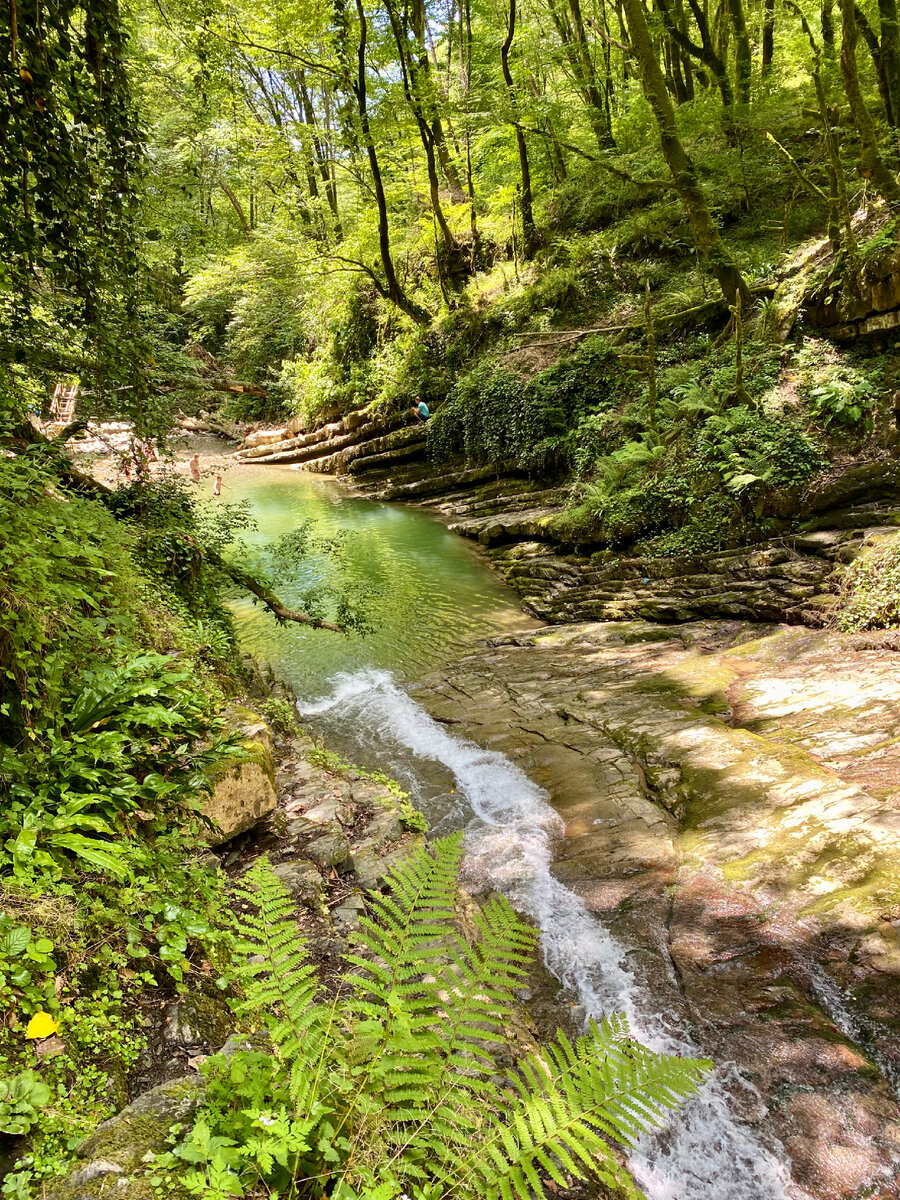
{"x": 20, "y": 1098}
{"x": 411, "y": 818}
{"x": 845, "y": 402}
{"x": 281, "y": 715}
{"x": 389, "y": 1087}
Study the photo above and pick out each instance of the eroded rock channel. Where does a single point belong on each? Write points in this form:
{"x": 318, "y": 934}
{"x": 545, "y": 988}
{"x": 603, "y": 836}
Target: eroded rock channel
{"x": 729, "y": 802}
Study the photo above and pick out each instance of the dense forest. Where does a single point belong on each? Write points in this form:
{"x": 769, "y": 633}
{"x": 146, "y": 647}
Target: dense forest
{"x": 645, "y": 250}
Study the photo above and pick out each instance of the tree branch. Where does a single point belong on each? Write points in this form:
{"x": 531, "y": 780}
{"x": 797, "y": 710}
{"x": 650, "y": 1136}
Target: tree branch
{"x": 251, "y": 584}
{"x": 603, "y": 163}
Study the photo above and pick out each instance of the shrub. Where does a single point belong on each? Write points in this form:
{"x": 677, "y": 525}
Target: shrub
{"x": 493, "y": 416}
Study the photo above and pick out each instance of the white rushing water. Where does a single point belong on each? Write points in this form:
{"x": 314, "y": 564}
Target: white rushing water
{"x": 706, "y": 1153}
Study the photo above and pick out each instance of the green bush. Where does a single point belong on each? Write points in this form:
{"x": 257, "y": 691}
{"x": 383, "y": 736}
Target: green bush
{"x": 869, "y": 595}
{"x": 706, "y": 473}
{"x": 493, "y": 416}
{"x": 124, "y": 759}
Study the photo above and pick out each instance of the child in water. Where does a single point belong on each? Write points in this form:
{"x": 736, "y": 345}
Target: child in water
{"x": 218, "y": 485}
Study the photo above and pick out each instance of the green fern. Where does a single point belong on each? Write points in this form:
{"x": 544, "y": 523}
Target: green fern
{"x": 390, "y": 1087}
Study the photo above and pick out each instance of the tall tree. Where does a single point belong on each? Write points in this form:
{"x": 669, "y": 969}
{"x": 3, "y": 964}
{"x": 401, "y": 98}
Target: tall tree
{"x": 710, "y": 246}
{"x": 871, "y": 164}
{"x": 392, "y": 288}
{"x": 529, "y": 232}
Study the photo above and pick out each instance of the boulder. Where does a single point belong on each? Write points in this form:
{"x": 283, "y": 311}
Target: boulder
{"x": 124, "y": 1144}
{"x": 302, "y": 879}
{"x": 198, "y": 1021}
{"x": 243, "y": 795}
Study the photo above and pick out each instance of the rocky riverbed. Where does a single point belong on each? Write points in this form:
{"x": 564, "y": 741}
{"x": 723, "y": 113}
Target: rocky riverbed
{"x": 730, "y": 799}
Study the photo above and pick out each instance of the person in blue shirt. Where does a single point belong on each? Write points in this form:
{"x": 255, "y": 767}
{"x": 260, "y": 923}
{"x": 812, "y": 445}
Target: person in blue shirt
{"x": 420, "y": 410}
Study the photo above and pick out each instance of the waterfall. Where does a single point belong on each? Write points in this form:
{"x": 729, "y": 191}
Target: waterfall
{"x": 705, "y": 1153}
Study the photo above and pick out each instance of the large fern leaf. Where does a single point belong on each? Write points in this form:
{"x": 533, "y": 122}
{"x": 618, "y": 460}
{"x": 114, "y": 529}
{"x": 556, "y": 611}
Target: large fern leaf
{"x": 280, "y": 986}
{"x": 573, "y": 1103}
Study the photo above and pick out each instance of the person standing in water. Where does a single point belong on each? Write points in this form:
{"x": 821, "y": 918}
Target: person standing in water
{"x": 194, "y": 465}
{"x": 218, "y": 485}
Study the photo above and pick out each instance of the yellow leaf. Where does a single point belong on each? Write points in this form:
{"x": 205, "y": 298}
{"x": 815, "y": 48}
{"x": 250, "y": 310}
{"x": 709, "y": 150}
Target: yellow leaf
{"x": 41, "y": 1025}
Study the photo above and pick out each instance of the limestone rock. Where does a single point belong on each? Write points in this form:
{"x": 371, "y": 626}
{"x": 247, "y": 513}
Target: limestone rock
{"x": 198, "y": 1020}
{"x": 349, "y": 911}
{"x": 331, "y": 850}
{"x": 384, "y": 828}
{"x": 245, "y": 794}
{"x": 326, "y": 812}
{"x": 123, "y": 1144}
{"x": 371, "y": 869}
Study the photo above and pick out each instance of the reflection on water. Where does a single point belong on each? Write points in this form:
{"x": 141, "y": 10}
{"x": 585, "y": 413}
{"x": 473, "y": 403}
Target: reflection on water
{"x": 433, "y": 593}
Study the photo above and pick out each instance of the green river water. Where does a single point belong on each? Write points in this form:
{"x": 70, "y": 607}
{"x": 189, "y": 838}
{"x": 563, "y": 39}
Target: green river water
{"x": 433, "y": 592}
{"x": 435, "y": 597}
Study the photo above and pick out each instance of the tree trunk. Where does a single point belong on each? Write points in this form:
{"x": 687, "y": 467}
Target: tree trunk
{"x": 828, "y": 26}
{"x": 592, "y": 89}
{"x": 710, "y": 246}
{"x": 394, "y": 291}
{"x": 415, "y": 89}
{"x": 237, "y": 206}
{"x": 743, "y": 57}
{"x": 768, "y": 37}
{"x": 871, "y": 165}
{"x": 529, "y": 233}
{"x": 890, "y": 58}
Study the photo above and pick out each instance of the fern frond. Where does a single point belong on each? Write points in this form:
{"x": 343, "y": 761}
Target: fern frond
{"x": 279, "y": 984}
{"x": 572, "y": 1102}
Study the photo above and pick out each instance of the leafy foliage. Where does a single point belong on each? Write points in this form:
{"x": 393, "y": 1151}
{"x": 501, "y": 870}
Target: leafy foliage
{"x": 389, "y": 1087}
{"x": 124, "y": 756}
{"x": 869, "y": 596}
{"x": 494, "y": 416}
{"x": 705, "y": 468}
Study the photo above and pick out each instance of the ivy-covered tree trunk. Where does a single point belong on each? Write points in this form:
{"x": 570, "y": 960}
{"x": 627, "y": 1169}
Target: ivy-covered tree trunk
{"x": 871, "y": 165}
{"x": 710, "y": 246}
{"x": 890, "y": 57}
{"x": 743, "y": 56}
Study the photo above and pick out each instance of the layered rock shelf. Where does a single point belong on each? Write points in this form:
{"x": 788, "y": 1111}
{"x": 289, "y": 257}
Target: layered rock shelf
{"x": 791, "y": 577}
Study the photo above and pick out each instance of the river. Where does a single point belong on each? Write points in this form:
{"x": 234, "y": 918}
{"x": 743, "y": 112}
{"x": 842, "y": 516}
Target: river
{"x": 431, "y": 598}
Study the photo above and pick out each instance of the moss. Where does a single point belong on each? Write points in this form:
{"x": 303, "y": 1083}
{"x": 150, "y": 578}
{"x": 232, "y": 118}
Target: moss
{"x": 143, "y": 1127}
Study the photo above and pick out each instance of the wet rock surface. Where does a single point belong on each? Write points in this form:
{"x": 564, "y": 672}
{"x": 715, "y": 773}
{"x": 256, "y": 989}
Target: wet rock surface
{"x": 733, "y": 820}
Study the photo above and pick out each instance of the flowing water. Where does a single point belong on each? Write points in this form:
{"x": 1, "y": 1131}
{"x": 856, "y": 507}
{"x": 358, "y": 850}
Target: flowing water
{"x": 360, "y": 694}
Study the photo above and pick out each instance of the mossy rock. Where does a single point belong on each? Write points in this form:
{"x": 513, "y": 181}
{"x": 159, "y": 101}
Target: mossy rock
{"x": 121, "y": 1147}
{"x": 243, "y": 794}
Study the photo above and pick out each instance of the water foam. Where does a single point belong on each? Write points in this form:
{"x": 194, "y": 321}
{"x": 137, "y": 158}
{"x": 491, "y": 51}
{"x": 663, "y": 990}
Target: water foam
{"x": 706, "y": 1153}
